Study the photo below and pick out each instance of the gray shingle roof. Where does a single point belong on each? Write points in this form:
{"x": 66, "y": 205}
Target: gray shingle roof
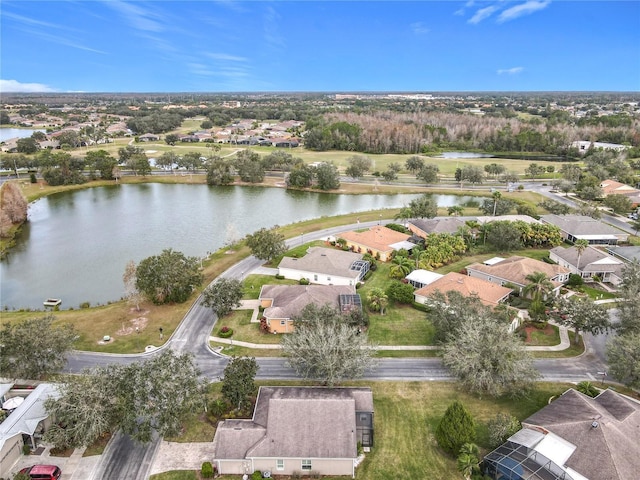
{"x": 580, "y": 225}
{"x": 302, "y": 422}
{"x": 591, "y": 260}
{"x": 329, "y": 261}
{"x": 611, "y": 451}
{"x": 289, "y": 300}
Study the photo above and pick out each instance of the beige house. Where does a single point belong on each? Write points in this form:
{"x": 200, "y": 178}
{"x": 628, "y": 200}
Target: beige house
{"x": 488, "y": 293}
{"x": 297, "y": 429}
{"x": 574, "y": 437}
{"x": 514, "y": 270}
{"x": 281, "y": 303}
{"x": 379, "y": 241}
{"x": 26, "y": 423}
{"x": 325, "y": 266}
{"x": 590, "y": 263}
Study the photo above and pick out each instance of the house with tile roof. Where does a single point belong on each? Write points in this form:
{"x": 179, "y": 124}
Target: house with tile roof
{"x": 488, "y": 293}
{"x": 325, "y": 266}
{"x": 282, "y": 303}
{"x": 514, "y": 270}
{"x": 575, "y": 437}
{"x": 580, "y": 227}
{"x": 379, "y": 241}
{"x": 297, "y": 429}
{"x": 592, "y": 262}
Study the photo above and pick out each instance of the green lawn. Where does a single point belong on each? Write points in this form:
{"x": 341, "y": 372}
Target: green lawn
{"x": 253, "y": 283}
{"x": 243, "y": 329}
{"x": 176, "y": 475}
{"x": 401, "y": 325}
{"x": 406, "y": 416}
{"x": 541, "y": 338}
{"x": 594, "y": 293}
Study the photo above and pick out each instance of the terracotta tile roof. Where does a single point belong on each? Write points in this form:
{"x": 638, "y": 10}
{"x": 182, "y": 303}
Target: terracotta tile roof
{"x": 377, "y": 238}
{"x": 488, "y": 293}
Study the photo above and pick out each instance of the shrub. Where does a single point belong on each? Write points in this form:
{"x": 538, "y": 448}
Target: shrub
{"x": 225, "y": 332}
{"x": 400, "y": 292}
{"x": 304, "y": 281}
{"x": 398, "y": 228}
{"x": 264, "y": 326}
{"x": 314, "y": 474}
{"x": 501, "y": 427}
{"x": 207, "y": 470}
{"x": 279, "y": 277}
{"x": 26, "y": 449}
{"x": 296, "y": 475}
{"x": 85, "y": 305}
{"x": 575, "y": 280}
{"x": 456, "y": 428}
{"x": 257, "y": 475}
{"x": 33, "y": 178}
{"x": 587, "y": 388}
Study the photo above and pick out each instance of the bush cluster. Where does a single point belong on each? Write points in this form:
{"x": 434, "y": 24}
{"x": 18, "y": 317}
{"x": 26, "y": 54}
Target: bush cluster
{"x": 225, "y": 332}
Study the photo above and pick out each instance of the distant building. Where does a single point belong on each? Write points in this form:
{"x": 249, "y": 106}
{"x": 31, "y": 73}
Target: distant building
{"x": 580, "y": 227}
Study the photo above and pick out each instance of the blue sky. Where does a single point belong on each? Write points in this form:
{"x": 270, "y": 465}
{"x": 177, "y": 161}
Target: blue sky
{"x": 281, "y": 46}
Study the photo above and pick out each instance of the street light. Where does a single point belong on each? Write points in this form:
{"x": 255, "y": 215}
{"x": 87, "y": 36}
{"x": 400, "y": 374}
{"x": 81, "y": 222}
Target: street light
{"x": 604, "y": 374}
{"x": 301, "y": 238}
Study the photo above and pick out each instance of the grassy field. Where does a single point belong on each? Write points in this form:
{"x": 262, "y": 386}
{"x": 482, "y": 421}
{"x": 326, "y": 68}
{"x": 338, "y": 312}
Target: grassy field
{"x": 406, "y": 416}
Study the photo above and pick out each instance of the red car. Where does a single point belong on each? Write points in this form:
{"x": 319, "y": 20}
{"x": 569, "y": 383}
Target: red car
{"x": 43, "y": 472}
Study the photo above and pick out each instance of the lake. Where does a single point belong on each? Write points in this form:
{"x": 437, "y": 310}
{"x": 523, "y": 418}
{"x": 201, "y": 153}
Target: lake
{"x": 76, "y": 244}
{"x": 7, "y": 133}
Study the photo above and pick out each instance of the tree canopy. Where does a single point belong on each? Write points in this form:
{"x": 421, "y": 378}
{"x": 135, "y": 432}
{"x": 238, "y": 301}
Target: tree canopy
{"x": 456, "y": 428}
{"x": 266, "y": 244}
{"x": 34, "y": 348}
{"x": 140, "y": 398}
{"x": 223, "y": 295}
{"x": 168, "y": 277}
{"x": 238, "y": 381}
{"x": 325, "y": 348}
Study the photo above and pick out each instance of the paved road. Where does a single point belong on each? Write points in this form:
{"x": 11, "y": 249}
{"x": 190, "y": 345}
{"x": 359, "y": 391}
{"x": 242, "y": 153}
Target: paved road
{"x": 125, "y": 459}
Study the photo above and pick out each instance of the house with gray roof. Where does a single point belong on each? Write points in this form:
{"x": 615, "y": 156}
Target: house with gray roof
{"x": 25, "y": 423}
{"x": 592, "y": 262}
{"x": 325, "y": 266}
{"x": 580, "y": 227}
{"x": 628, "y": 254}
{"x": 575, "y": 437}
{"x": 423, "y": 228}
{"x": 297, "y": 429}
{"x": 282, "y": 303}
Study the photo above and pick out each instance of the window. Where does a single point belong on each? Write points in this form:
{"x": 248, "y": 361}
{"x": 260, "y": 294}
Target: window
{"x": 306, "y": 464}
{"x": 283, "y": 322}
{"x": 315, "y": 278}
{"x": 280, "y": 464}
{"x": 328, "y": 279}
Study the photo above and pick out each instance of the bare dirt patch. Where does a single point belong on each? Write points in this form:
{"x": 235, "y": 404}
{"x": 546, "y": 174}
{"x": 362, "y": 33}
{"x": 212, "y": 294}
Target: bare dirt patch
{"x": 135, "y": 325}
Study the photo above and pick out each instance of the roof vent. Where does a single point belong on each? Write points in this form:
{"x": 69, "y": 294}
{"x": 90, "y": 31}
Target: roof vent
{"x": 594, "y": 424}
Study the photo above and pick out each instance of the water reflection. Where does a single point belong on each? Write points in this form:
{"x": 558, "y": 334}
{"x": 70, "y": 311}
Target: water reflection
{"x": 77, "y": 244}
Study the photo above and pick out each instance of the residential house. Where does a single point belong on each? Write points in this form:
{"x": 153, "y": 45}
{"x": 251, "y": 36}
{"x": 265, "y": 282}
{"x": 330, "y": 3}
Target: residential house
{"x": 611, "y": 187}
{"x": 423, "y": 228}
{"x": 575, "y": 437}
{"x": 325, "y": 266}
{"x": 584, "y": 145}
{"x": 148, "y": 137}
{"x": 291, "y": 143}
{"x": 297, "y": 429}
{"x": 590, "y": 263}
{"x": 25, "y": 424}
{"x": 507, "y": 218}
{"x": 580, "y": 227}
{"x": 628, "y": 254}
{"x": 379, "y": 241}
{"x": 282, "y": 303}
{"x": 514, "y": 270}
{"x": 488, "y": 293}
{"x": 420, "y": 278}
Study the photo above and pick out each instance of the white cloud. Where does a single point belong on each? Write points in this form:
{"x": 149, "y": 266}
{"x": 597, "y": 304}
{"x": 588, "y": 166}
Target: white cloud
{"x": 16, "y": 86}
{"x": 226, "y": 56}
{"x": 510, "y": 71}
{"x": 138, "y": 17}
{"x": 419, "y": 28}
{"x": 526, "y": 8}
{"x": 272, "y": 28}
{"x": 483, "y": 13}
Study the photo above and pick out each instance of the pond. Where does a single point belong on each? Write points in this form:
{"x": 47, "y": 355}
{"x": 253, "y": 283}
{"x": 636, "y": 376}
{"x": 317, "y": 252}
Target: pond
{"x": 464, "y": 155}
{"x": 76, "y": 244}
{"x": 6, "y": 133}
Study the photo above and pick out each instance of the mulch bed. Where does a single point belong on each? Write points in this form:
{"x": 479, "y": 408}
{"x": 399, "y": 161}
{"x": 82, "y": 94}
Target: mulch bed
{"x": 548, "y": 331}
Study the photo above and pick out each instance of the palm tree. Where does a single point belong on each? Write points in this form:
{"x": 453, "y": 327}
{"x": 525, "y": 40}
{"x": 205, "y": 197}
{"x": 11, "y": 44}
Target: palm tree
{"x": 455, "y": 210}
{"x": 580, "y": 246}
{"x": 539, "y": 286}
{"x": 401, "y": 267}
{"x": 496, "y": 196}
{"x": 378, "y": 300}
{"x": 468, "y": 459}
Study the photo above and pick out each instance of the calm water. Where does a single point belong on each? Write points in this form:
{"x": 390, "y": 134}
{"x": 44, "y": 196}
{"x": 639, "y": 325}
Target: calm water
{"x": 7, "y": 133}
{"x": 76, "y": 244}
{"x": 464, "y": 155}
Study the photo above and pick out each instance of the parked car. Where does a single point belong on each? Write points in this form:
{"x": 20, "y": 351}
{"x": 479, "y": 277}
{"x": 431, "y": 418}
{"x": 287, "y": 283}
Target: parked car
{"x": 43, "y": 472}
